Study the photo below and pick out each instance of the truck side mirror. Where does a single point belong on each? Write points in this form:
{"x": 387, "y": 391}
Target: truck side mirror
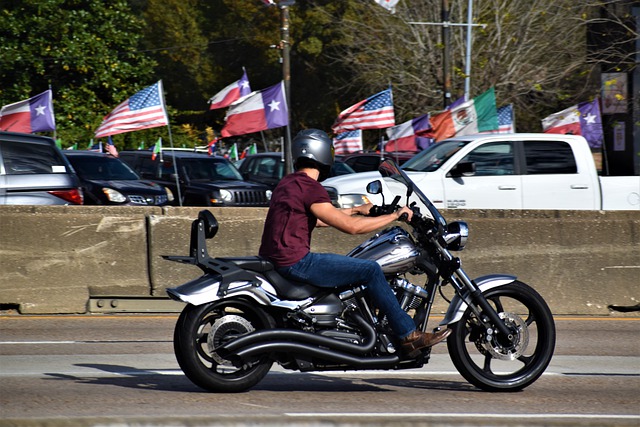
{"x": 462, "y": 169}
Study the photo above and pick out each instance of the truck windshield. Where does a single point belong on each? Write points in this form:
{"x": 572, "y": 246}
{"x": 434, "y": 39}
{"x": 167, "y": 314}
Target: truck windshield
{"x": 210, "y": 169}
{"x": 433, "y": 157}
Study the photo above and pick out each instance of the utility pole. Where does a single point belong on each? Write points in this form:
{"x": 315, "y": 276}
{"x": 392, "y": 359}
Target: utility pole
{"x": 286, "y": 77}
{"x": 446, "y": 41}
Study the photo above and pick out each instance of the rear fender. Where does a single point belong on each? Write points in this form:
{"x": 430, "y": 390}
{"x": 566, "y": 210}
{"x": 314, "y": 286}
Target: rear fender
{"x": 458, "y": 306}
{"x": 206, "y": 289}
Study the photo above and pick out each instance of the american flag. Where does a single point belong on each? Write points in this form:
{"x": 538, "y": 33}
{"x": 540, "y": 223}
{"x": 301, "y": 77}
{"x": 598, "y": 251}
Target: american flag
{"x": 506, "y": 120}
{"x": 143, "y": 110}
{"x": 375, "y": 112}
{"x": 348, "y": 142}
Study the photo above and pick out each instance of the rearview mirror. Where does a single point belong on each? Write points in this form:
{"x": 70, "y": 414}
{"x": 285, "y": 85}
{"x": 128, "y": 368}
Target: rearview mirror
{"x": 374, "y": 187}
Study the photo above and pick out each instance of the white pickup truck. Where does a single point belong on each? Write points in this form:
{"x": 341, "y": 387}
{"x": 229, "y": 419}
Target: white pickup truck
{"x": 503, "y": 171}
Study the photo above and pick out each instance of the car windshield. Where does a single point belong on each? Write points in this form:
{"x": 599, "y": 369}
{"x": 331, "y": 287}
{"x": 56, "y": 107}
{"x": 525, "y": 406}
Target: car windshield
{"x": 102, "y": 168}
{"x": 210, "y": 169}
{"x": 340, "y": 168}
{"x": 433, "y": 157}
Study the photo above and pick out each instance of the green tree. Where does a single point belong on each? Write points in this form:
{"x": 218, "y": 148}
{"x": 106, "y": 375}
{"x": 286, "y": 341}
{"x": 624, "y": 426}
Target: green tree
{"x": 86, "y": 50}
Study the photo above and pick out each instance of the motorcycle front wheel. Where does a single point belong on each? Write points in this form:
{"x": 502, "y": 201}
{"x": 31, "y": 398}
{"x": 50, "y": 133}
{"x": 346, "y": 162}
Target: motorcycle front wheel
{"x": 492, "y": 362}
{"x": 201, "y": 329}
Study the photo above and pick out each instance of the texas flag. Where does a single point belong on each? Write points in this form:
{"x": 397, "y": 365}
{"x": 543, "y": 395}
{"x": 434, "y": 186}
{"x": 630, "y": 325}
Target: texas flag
{"x": 405, "y": 136}
{"x": 581, "y": 119}
{"x": 231, "y": 93}
{"x": 33, "y": 115}
{"x": 260, "y": 110}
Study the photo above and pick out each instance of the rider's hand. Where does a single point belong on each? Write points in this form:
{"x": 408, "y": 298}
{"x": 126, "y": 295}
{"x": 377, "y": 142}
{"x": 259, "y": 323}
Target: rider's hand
{"x": 404, "y": 210}
{"x": 362, "y": 209}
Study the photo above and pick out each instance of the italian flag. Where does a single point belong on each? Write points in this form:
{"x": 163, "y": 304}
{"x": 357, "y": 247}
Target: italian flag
{"x": 475, "y": 116}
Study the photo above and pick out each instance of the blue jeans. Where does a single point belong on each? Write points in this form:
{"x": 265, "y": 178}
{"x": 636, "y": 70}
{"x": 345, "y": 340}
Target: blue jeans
{"x": 333, "y": 271}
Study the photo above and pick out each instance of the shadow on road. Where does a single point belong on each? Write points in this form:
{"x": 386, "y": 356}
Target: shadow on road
{"x": 129, "y": 377}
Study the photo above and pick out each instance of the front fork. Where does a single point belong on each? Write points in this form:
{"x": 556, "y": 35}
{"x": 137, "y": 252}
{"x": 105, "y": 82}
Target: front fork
{"x": 470, "y": 292}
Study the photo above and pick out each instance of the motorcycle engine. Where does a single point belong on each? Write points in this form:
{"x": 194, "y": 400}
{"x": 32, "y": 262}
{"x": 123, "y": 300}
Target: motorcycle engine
{"x": 409, "y": 296}
{"x": 325, "y": 311}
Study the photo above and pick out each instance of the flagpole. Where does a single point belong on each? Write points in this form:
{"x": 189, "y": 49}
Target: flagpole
{"x": 264, "y": 142}
{"x": 173, "y": 154}
{"x": 53, "y": 114}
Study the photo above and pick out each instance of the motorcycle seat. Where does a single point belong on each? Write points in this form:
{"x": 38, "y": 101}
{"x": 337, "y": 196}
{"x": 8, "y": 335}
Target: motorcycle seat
{"x": 287, "y": 289}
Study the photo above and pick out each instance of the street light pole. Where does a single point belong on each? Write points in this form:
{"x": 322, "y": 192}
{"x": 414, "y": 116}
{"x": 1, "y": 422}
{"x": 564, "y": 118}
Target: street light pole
{"x": 446, "y": 60}
{"x": 467, "y": 62}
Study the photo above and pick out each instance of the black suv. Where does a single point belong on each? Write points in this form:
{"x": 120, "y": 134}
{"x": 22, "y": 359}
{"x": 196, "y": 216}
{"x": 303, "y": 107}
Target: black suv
{"x": 204, "y": 180}
{"x": 268, "y": 168}
{"x": 33, "y": 171}
{"x": 107, "y": 180}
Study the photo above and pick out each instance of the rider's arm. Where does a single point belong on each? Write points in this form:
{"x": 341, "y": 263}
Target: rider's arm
{"x": 355, "y": 210}
{"x": 354, "y": 224}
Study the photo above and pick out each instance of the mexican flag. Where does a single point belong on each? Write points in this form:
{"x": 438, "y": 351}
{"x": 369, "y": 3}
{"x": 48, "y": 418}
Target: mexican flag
{"x": 478, "y": 115}
{"x": 157, "y": 150}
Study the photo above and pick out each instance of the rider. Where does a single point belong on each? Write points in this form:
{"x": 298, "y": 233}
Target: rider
{"x": 300, "y": 203}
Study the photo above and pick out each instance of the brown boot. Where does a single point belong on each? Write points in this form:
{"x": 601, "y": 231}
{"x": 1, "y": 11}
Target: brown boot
{"x": 417, "y": 340}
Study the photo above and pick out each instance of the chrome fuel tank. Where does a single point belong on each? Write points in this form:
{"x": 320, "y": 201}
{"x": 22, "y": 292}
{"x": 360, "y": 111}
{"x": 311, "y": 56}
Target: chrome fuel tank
{"x": 393, "y": 249}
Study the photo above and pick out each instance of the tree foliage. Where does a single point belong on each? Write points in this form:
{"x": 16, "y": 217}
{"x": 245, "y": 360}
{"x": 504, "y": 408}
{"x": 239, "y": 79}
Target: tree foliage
{"x": 86, "y": 51}
{"x": 532, "y": 52}
{"x": 95, "y": 54}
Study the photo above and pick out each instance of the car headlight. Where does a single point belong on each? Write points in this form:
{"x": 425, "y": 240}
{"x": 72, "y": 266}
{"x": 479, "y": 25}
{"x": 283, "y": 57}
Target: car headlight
{"x": 352, "y": 200}
{"x": 113, "y": 195}
{"x": 226, "y": 195}
{"x": 170, "y": 197}
{"x": 268, "y": 193}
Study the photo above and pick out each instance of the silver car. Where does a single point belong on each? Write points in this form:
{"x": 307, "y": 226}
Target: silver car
{"x": 33, "y": 171}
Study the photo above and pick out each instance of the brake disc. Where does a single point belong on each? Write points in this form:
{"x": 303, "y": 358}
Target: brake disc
{"x": 519, "y": 343}
{"x": 222, "y": 330}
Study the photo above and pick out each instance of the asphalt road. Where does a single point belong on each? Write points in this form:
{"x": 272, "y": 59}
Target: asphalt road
{"x": 119, "y": 370}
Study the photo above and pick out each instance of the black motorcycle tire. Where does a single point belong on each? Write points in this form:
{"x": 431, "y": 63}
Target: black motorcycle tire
{"x": 194, "y": 356}
{"x": 468, "y": 346}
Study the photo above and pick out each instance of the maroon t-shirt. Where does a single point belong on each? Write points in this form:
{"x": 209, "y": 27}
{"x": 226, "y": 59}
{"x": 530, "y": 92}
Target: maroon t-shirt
{"x": 286, "y": 238}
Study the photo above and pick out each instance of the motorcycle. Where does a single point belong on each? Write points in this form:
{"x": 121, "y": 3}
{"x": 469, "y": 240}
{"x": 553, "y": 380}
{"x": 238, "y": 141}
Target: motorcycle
{"x": 242, "y": 316}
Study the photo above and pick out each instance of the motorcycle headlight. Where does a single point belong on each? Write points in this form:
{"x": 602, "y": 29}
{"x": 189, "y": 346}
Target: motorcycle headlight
{"x": 113, "y": 195}
{"x": 352, "y": 200}
{"x": 456, "y": 236}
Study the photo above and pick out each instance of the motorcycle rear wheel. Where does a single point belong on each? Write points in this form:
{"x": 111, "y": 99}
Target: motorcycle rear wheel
{"x": 491, "y": 362}
{"x": 200, "y": 329}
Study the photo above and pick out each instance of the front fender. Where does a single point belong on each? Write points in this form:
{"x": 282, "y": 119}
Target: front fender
{"x": 458, "y": 306}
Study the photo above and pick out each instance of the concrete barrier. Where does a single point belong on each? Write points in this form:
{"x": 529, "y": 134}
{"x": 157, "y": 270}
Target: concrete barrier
{"x": 59, "y": 259}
